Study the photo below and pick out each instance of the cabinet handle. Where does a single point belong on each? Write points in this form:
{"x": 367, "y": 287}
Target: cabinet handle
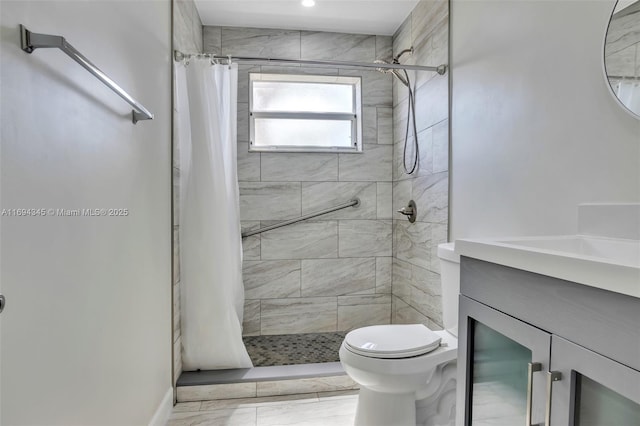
{"x": 552, "y": 376}
{"x": 532, "y": 368}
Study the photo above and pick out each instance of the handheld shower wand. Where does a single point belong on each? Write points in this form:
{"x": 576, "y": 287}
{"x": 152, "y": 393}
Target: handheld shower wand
{"x": 411, "y": 111}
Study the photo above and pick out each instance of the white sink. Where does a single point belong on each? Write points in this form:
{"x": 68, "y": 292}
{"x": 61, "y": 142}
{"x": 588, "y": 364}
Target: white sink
{"x": 607, "y": 263}
{"x": 624, "y": 252}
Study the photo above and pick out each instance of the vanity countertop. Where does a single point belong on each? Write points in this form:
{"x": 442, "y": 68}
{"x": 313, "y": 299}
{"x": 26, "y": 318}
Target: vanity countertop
{"x": 607, "y": 263}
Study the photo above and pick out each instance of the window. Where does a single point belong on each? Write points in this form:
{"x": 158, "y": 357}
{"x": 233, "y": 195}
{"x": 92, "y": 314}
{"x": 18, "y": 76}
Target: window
{"x": 305, "y": 113}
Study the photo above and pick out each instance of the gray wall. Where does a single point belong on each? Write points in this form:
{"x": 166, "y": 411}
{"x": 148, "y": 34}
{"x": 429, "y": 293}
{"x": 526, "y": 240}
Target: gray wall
{"x": 535, "y": 128}
{"x": 416, "y": 279}
{"x": 333, "y": 273}
{"x": 86, "y": 332}
{"x": 187, "y": 38}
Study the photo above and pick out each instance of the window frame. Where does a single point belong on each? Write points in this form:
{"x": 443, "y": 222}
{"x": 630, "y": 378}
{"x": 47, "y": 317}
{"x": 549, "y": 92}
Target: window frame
{"x": 354, "y": 117}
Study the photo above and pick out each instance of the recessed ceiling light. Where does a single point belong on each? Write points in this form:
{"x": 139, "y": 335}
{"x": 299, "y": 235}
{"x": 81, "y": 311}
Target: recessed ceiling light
{"x": 308, "y": 3}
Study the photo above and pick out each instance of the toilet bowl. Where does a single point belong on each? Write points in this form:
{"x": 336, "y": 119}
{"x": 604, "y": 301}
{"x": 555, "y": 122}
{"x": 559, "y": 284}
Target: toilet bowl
{"x": 398, "y": 363}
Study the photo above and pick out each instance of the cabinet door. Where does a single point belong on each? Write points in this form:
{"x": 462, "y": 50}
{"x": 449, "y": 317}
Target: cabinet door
{"x": 594, "y": 390}
{"x": 505, "y": 359}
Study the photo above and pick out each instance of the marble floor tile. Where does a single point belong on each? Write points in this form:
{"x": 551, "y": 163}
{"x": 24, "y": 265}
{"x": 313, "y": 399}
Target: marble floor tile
{"x": 227, "y": 417}
{"x": 208, "y": 392}
{"x": 263, "y": 401}
{"x": 187, "y": 406}
{"x": 336, "y": 408}
{"x": 345, "y": 394}
{"x": 339, "y": 412}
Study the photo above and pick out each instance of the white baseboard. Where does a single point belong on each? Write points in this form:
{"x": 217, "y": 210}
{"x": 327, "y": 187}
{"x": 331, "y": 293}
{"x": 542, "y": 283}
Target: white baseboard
{"x": 163, "y": 412}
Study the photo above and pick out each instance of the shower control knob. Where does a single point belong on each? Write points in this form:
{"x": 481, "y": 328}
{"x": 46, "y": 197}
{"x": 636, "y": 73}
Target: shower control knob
{"x": 411, "y": 211}
{"x": 3, "y": 302}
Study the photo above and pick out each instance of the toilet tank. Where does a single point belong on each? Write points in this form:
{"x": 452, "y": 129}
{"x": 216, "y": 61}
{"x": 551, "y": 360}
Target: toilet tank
{"x": 450, "y": 282}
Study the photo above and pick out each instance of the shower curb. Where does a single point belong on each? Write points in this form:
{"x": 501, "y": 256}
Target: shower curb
{"x": 262, "y": 381}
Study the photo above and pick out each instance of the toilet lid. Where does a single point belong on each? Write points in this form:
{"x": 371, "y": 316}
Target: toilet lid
{"x": 392, "y": 341}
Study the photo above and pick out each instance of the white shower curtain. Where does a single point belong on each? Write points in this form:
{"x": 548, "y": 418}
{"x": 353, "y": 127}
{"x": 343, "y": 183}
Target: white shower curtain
{"x": 212, "y": 293}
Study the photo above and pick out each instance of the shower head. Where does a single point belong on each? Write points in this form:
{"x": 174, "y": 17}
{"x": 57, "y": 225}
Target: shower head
{"x": 403, "y": 78}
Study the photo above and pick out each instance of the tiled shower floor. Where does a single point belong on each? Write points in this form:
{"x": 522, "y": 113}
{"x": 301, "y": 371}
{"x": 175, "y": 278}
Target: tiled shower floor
{"x": 289, "y": 349}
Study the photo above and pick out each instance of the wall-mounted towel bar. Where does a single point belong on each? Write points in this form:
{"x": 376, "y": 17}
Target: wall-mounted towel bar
{"x": 31, "y": 41}
{"x": 352, "y": 203}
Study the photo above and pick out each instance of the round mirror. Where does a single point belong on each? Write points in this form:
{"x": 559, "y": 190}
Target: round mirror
{"x": 622, "y": 54}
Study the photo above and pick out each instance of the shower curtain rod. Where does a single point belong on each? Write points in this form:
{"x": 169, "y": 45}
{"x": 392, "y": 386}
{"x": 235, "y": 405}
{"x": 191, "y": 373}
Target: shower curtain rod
{"x": 440, "y": 69}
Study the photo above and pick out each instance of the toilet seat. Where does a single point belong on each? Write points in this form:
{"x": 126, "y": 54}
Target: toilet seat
{"x": 392, "y": 341}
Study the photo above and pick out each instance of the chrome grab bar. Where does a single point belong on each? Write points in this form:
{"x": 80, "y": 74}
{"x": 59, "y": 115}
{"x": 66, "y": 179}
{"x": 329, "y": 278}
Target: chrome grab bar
{"x": 353, "y": 203}
{"x": 31, "y": 41}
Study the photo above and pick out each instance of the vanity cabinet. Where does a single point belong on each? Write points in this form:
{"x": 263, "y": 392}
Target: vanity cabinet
{"x": 542, "y": 351}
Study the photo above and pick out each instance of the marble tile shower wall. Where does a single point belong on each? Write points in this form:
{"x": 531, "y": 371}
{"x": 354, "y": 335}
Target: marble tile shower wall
{"x": 334, "y": 272}
{"x": 187, "y": 37}
{"x": 415, "y": 267}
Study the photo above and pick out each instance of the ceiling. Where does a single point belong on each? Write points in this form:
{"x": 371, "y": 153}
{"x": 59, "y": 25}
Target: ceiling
{"x": 381, "y": 17}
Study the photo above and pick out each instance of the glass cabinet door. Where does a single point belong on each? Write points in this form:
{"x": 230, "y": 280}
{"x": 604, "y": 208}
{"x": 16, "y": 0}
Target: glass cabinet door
{"x": 506, "y": 359}
{"x": 594, "y": 390}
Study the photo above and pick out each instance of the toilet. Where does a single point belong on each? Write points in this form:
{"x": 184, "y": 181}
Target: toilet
{"x": 397, "y": 364}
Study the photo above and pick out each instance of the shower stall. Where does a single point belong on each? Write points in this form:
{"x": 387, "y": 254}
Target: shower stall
{"x": 323, "y": 251}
